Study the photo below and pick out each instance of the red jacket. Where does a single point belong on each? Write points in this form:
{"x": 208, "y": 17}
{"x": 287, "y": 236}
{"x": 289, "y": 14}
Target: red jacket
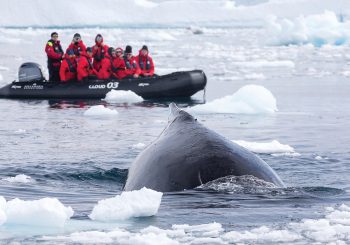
{"x": 146, "y": 64}
{"x": 105, "y": 70}
{"x": 78, "y": 48}
{"x": 132, "y": 67}
{"x": 118, "y": 69}
{"x": 84, "y": 67}
{"x": 66, "y": 72}
{"x": 98, "y": 53}
{"x": 54, "y": 52}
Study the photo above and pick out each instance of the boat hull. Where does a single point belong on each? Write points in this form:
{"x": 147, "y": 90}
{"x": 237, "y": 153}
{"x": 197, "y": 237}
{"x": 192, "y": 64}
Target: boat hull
{"x": 174, "y": 85}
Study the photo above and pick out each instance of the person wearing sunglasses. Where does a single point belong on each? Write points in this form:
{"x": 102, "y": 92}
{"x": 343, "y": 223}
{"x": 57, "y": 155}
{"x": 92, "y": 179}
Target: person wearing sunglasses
{"x": 119, "y": 64}
{"x": 99, "y": 51}
{"x": 55, "y": 54}
{"x": 77, "y": 45}
{"x": 132, "y": 68}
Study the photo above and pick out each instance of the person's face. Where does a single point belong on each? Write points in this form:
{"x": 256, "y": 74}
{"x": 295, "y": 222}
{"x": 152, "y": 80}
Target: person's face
{"x": 89, "y": 54}
{"x": 114, "y": 54}
{"x": 99, "y": 39}
{"x": 119, "y": 53}
{"x": 76, "y": 39}
{"x": 55, "y": 37}
{"x": 128, "y": 55}
{"x": 72, "y": 56}
{"x": 144, "y": 52}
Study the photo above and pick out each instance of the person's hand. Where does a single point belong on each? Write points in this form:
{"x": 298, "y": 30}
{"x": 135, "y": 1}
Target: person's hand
{"x": 136, "y": 75}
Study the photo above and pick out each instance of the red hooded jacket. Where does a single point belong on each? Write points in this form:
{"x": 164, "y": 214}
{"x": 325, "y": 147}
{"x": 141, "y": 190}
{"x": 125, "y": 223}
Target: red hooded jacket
{"x": 78, "y": 48}
{"x": 146, "y": 64}
{"x": 54, "y": 52}
{"x": 99, "y": 51}
{"x": 68, "y": 70}
{"x": 105, "y": 70}
{"x": 131, "y": 66}
{"x": 85, "y": 67}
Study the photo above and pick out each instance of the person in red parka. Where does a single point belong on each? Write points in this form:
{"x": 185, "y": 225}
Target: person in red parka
{"x": 55, "y": 54}
{"x": 105, "y": 71}
{"x": 68, "y": 70}
{"x": 85, "y": 68}
{"x": 119, "y": 64}
{"x": 99, "y": 51}
{"x": 132, "y": 68}
{"x": 145, "y": 62}
{"x": 77, "y": 45}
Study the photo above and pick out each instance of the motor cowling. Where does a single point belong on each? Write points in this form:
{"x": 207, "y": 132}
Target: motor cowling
{"x": 30, "y": 72}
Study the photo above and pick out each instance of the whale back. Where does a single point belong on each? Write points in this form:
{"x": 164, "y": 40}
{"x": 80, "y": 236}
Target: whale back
{"x": 187, "y": 154}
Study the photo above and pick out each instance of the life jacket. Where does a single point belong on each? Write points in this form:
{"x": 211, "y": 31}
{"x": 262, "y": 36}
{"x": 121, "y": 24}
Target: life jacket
{"x": 100, "y": 55}
{"x": 142, "y": 65}
{"x": 128, "y": 65}
{"x": 71, "y": 67}
{"x": 57, "y": 49}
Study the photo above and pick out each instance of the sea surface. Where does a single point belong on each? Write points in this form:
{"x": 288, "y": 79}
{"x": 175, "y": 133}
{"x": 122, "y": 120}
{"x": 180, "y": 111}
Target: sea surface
{"x": 81, "y": 160}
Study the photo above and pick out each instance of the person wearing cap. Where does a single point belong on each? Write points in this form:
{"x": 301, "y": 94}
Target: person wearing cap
{"x": 55, "y": 54}
{"x": 99, "y": 51}
{"x": 77, "y": 45}
{"x": 145, "y": 62}
{"x": 132, "y": 68}
{"x": 85, "y": 67}
{"x": 68, "y": 70}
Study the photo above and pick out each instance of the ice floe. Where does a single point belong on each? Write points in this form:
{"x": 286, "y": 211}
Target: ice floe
{"x": 250, "y": 99}
{"x": 138, "y": 203}
{"x": 332, "y": 228}
{"x": 20, "y": 178}
{"x": 100, "y": 111}
{"x": 265, "y": 147}
{"x": 121, "y": 96}
{"x": 47, "y": 212}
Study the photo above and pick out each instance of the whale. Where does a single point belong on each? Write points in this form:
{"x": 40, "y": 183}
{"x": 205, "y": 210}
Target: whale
{"x": 187, "y": 154}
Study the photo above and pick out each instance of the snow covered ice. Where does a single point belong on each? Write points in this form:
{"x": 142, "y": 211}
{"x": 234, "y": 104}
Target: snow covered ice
{"x": 121, "y": 96}
{"x": 100, "y": 111}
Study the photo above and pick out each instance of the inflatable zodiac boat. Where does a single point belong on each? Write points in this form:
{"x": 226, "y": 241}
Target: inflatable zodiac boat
{"x": 31, "y": 84}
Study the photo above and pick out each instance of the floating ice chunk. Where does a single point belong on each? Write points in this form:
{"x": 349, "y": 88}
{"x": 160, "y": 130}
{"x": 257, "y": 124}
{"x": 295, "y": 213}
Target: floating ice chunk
{"x": 266, "y": 147}
{"x": 44, "y": 212}
{"x": 3, "y": 216}
{"x": 121, "y": 96}
{"x": 20, "y": 131}
{"x": 261, "y": 234}
{"x": 4, "y": 68}
{"x": 128, "y": 204}
{"x": 255, "y": 76}
{"x": 318, "y": 158}
{"x": 250, "y": 99}
{"x": 145, "y": 3}
{"x": 266, "y": 63}
{"x": 318, "y": 29}
{"x": 100, "y": 110}
{"x": 139, "y": 146}
{"x": 20, "y": 178}
{"x": 195, "y": 30}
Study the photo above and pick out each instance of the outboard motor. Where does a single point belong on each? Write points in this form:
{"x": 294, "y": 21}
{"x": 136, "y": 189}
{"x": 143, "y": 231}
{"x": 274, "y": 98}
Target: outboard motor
{"x": 30, "y": 72}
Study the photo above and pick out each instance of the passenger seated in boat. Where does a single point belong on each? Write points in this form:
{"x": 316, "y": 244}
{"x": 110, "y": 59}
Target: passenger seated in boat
{"x": 77, "y": 45}
{"x": 99, "y": 51}
{"x": 105, "y": 71}
{"x": 132, "y": 68}
{"x": 68, "y": 69}
{"x": 145, "y": 62}
{"x": 85, "y": 68}
{"x": 119, "y": 64}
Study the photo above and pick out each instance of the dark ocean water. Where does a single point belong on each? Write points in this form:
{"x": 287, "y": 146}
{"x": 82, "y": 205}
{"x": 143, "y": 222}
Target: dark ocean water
{"x": 81, "y": 160}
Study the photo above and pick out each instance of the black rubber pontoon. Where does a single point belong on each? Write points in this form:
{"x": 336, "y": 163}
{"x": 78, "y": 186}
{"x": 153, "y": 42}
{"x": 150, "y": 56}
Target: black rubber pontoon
{"x": 32, "y": 85}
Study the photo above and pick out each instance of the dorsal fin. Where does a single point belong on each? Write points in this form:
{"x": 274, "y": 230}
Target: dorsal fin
{"x": 176, "y": 112}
